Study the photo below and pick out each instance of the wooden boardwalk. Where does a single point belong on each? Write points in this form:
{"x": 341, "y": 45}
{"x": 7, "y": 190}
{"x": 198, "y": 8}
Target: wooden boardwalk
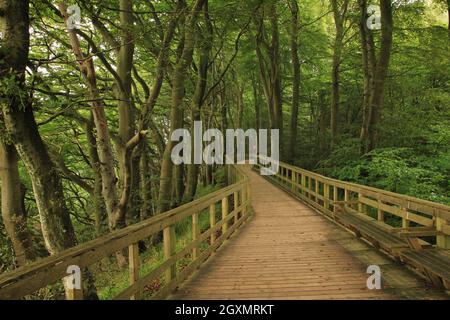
{"x": 288, "y": 251}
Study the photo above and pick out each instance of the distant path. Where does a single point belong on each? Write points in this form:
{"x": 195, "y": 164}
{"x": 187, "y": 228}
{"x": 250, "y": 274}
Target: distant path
{"x": 288, "y": 251}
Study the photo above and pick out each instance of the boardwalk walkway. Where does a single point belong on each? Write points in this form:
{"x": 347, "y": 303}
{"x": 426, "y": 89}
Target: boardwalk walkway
{"x": 288, "y": 251}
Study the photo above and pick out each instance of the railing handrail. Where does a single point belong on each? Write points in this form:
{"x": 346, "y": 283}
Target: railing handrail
{"x": 323, "y": 194}
{"x": 436, "y": 205}
{"x": 50, "y": 269}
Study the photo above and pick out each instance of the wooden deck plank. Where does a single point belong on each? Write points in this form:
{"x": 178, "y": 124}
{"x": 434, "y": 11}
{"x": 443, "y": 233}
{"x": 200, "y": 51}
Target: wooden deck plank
{"x": 288, "y": 251}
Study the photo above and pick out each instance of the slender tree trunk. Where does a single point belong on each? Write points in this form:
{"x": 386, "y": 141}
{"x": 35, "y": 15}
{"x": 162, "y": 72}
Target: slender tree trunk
{"x": 256, "y": 101}
{"x": 126, "y": 113}
{"x": 124, "y": 68}
{"x": 270, "y": 71}
{"x": 291, "y": 154}
{"x": 146, "y": 209}
{"x": 178, "y": 91}
{"x": 275, "y": 72}
{"x": 380, "y": 73}
{"x": 224, "y": 122}
{"x": 368, "y": 57}
{"x": 240, "y": 104}
{"x": 98, "y": 202}
{"x": 339, "y": 14}
{"x": 322, "y": 122}
{"x": 13, "y": 208}
{"x": 197, "y": 102}
{"x": 178, "y": 185}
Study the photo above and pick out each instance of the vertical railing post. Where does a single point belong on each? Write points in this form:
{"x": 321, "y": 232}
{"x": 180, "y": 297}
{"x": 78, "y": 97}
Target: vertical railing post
{"x": 442, "y": 241}
{"x": 248, "y": 197}
{"x": 380, "y": 213}
{"x": 360, "y": 205}
{"x": 169, "y": 251}
{"x": 335, "y": 194}
{"x": 326, "y": 196}
{"x": 224, "y": 214}
{"x": 346, "y": 197}
{"x": 309, "y": 187}
{"x": 405, "y": 221}
{"x": 293, "y": 179}
{"x": 303, "y": 184}
{"x": 212, "y": 221}
{"x": 195, "y": 234}
{"x": 73, "y": 293}
{"x": 134, "y": 265}
{"x": 317, "y": 189}
{"x": 244, "y": 200}
{"x": 236, "y": 205}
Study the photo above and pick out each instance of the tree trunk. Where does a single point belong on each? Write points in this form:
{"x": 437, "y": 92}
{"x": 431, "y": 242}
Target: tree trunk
{"x": 276, "y": 73}
{"x": 270, "y": 71}
{"x": 178, "y": 91}
{"x": 256, "y": 101}
{"x": 380, "y": 74}
{"x": 197, "y": 103}
{"x": 98, "y": 202}
{"x": 368, "y": 57}
{"x": 146, "y": 186}
{"x": 323, "y": 146}
{"x": 339, "y": 14}
{"x": 291, "y": 151}
{"x": 13, "y": 208}
{"x": 19, "y": 119}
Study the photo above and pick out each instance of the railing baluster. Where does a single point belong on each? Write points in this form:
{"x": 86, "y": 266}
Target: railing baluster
{"x": 360, "y": 205}
{"x": 73, "y": 293}
{"x": 317, "y": 189}
{"x": 335, "y": 194}
{"x": 326, "y": 195}
{"x": 380, "y": 213}
{"x": 133, "y": 265}
{"x": 212, "y": 221}
{"x": 303, "y": 184}
{"x": 346, "y": 197}
{"x": 244, "y": 200}
{"x": 442, "y": 241}
{"x": 195, "y": 234}
{"x": 169, "y": 251}
{"x": 224, "y": 214}
{"x": 293, "y": 179}
{"x": 236, "y": 205}
{"x": 405, "y": 221}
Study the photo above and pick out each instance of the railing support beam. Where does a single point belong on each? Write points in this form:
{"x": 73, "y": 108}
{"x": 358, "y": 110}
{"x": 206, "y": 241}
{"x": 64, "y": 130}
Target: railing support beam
{"x": 195, "y": 234}
{"x": 224, "y": 214}
{"x": 169, "y": 251}
{"x": 212, "y": 221}
{"x": 133, "y": 257}
{"x": 442, "y": 241}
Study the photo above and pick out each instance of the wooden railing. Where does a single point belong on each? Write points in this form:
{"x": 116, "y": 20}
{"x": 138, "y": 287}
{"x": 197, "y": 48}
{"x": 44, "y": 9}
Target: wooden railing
{"x": 28, "y": 279}
{"x": 322, "y": 193}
